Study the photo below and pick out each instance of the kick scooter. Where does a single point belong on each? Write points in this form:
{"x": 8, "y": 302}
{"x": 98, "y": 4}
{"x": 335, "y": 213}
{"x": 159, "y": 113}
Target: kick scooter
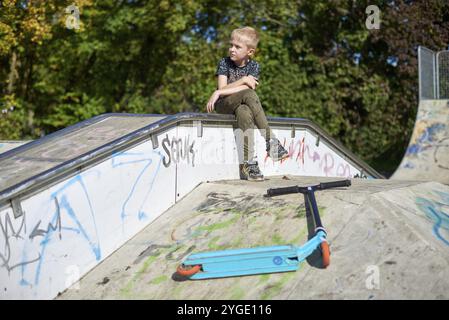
{"x": 260, "y": 260}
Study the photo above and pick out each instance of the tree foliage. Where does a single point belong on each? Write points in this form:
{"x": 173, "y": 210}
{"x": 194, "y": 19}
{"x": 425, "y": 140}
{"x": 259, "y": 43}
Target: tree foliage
{"x": 318, "y": 59}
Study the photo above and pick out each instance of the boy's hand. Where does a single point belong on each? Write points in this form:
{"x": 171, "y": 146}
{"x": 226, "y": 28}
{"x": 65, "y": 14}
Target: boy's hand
{"x": 251, "y": 82}
{"x": 213, "y": 98}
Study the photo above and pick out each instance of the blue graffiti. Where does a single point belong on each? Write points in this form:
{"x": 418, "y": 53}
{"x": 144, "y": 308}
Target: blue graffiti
{"x": 434, "y": 212}
{"x": 409, "y": 165}
{"x": 95, "y": 247}
{"x": 147, "y": 161}
{"x": 55, "y": 227}
{"x": 427, "y": 137}
{"x": 52, "y": 231}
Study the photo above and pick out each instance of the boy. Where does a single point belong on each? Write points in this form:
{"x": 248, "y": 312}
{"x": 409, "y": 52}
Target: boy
{"x": 237, "y": 80}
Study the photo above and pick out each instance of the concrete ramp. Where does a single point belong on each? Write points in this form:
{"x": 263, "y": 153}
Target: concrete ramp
{"x": 72, "y": 198}
{"x": 427, "y": 156}
{"x": 389, "y": 240}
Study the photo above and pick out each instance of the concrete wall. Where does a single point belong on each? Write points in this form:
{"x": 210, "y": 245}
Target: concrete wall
{"x": 70, "y": 227}
{"x": 427, "y": 155}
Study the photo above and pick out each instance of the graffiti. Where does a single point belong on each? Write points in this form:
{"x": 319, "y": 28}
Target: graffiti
{"x": 408, "y": 165}
{"x": 28, "y": 242}
{"x": 300, "y": 152}
{"x": 292, "y": 149}
{"x": 343, "y": 170}
{"x": 298, "y": 148}
{"x": 440, "y": 156}
{"x": 425, "y": 140}
{"x": 42, "y": 232}
{"x": 328, "y": 161}
{"x": 33, "y": 245}
{"x": 8, "y": 233}
{"x": 24, "y": 246}
{"x": 177, "y": 150}
{"x": 434, "y": 211}
{"x": 138, "y": 181}
{"x": 78, "y": 229}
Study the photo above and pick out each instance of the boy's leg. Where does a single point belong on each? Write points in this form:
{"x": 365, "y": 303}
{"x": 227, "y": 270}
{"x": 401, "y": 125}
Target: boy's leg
{"x": 273, "y": 146}
{"x": 249, "y": 98}
{"x": 249, "y": 170}
{"x": 245, "y": 122}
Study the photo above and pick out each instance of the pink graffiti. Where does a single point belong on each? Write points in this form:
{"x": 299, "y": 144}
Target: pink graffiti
{"x": 292, "y": 150}
{"x": 343, "y": 170}
{"x": 327, "y": 167}
{"x": 298, "y": 148}
{"x": 299, "y": 151}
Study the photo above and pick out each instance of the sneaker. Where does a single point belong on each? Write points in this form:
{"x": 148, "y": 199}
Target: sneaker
{"x": 251, "y": 171}
{"x": 275, "y": 150}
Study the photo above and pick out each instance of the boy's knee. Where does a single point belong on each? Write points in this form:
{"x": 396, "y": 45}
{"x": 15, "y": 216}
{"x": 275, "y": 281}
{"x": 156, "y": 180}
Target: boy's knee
{"x": 250, "y": 93}
{"x": 243, "y": 111}
{"x": 251, "y": 99}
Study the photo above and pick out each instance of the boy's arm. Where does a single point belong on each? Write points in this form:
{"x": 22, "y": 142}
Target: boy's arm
{"x": 226, "y": 91}
{"x": 223, "y": 80}
{"x": 249, "y": 81}
{"x": 221, "y": 93}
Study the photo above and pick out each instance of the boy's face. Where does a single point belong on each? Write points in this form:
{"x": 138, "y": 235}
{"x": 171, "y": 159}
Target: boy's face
{"x": 238, "y": 50}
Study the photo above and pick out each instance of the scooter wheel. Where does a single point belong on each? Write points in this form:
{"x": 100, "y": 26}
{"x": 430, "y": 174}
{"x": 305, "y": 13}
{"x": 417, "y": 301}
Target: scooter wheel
{"x": 188, "y": 271}
{"x": 325, "y": 254}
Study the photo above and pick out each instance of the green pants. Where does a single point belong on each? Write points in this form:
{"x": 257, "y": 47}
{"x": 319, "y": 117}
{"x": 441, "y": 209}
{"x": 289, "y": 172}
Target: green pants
{"x": 249, "y": 113}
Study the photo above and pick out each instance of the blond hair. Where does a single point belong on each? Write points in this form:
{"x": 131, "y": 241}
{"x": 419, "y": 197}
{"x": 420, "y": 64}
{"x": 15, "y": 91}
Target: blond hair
{"x": 248, "y": 35}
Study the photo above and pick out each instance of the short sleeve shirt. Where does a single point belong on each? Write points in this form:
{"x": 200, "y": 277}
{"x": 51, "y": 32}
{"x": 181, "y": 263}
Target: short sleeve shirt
{"x": 228, "y": 68}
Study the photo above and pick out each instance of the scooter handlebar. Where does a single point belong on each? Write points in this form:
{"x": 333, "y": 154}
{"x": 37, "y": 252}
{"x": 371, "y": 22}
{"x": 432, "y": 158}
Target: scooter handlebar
{"x": 334, "y": 184}
{"x": 296, "y": 189}
{"x": 280, "y": 191}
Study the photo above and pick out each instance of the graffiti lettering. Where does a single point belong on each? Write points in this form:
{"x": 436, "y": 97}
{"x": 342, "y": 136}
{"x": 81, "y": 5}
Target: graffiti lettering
{"x": 328, "y": 161}
{"x": 8, "y": 232}
{"x": 343, "y": 170}
{"x": 177, "y": 150}
{"x": 300, "y": 152}
{"x": 39, "y": 232}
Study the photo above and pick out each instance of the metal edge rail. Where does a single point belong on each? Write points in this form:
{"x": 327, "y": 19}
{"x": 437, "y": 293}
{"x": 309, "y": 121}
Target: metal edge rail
{"x": 77, "y": 164}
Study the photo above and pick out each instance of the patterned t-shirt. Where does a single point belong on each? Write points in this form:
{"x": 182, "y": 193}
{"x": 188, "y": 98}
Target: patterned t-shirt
{"x": 228, "y": 68}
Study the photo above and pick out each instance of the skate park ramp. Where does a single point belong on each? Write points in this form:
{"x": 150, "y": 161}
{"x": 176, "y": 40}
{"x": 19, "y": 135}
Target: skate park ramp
{"x": 389, "y": 239}
{"x": 72, "y": 198}
{"x": 427, "y": 155}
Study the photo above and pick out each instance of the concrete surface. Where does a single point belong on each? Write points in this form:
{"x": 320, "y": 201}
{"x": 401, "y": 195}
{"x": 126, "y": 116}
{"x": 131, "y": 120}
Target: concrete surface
{"x": 53, "y": 152}
{"x": 427, "y": 155}
{"x": 389, "y": 240}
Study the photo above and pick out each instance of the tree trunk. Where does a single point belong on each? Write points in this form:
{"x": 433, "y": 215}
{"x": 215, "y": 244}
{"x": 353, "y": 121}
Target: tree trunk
{"x": 13, "y": 74}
